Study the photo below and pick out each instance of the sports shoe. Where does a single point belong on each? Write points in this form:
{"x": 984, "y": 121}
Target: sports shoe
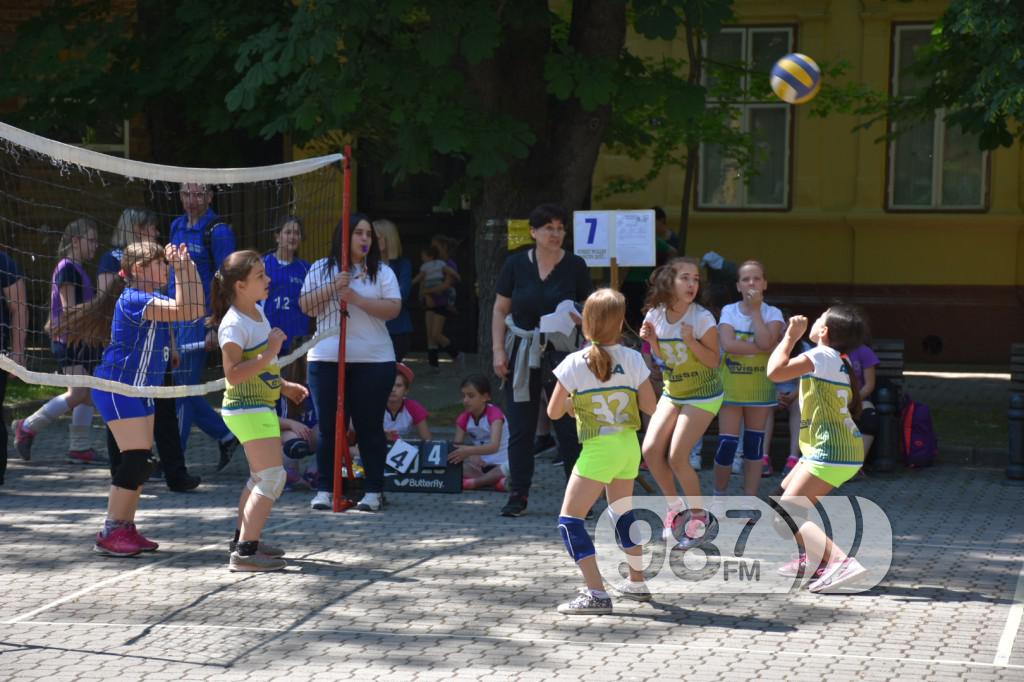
{"x": 322, "y": 500}
{"x": 670, "y": 519}
{"x": 737, "y": 463}
{"x": 790, "y": 463}
{"x": 586, "y": 604}
{"x": 796, "y": 563}
{"x": 469, "y": 483}
{"x": 696, "y": 532}
{"x": 120, "y": 542}
{"x": 255, "y": 563}
{"x": 766, "y": 467}
{"x": 838, "y": 573}
{"x": 695, "y": 461}
{"x": 516, "y": 505}
{"x": 88, "y": 456}
{"x": 371, "y": 502}
{"x": 144, "y": 543}
{"x": 500, "y": 486}
{"x": 22, "y": 439}
{"x": 263, "y": 548}
{"x": 627, "y": 589}
{"x": 227, "y": 450}
{"x": 183, "y": 483}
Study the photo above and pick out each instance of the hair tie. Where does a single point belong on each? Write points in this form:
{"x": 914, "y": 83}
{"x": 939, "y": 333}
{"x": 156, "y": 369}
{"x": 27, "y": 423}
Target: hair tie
{"x": 120, "y": 273}
{"x": 218, "y": 276}
{"x": 594, "y": 343}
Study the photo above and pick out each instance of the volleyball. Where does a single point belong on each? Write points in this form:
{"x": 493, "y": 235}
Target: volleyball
{"x": 796, "y": 78}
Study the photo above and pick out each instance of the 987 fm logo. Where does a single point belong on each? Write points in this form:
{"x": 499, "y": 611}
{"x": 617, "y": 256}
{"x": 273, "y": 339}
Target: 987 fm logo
{"x": 745, "y": 544}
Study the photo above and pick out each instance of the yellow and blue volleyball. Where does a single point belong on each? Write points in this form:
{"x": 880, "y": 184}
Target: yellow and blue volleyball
{"x": 796, "y": 78}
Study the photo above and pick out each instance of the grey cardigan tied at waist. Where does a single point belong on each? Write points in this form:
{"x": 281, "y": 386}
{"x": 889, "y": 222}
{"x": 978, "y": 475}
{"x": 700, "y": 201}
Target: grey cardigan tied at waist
{"x": 527, "y": 357}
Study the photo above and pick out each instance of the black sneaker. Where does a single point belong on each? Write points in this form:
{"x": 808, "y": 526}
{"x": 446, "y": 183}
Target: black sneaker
{"x": 184, "y": 483}
{"x": 516, "y": 505}
{"x": 227, "y": 450}
{"x": 543, "y": 443}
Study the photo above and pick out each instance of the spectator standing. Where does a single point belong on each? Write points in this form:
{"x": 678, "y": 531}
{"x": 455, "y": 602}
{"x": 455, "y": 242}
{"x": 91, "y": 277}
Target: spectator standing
{"x": 13, "y": 329}
{"x": 400, "y": 328}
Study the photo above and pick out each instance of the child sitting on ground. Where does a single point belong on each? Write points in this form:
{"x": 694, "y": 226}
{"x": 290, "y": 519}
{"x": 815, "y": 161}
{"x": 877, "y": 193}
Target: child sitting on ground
{"x": 299, "y": 439}
{"x": 403, "y": 413}
{"x": 485, "y": 460}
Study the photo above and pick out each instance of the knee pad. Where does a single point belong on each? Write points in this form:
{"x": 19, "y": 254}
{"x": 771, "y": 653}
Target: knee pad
{"x": 577, "y": 540}
{"x": 753, "y": 444}
{"x": 269, "y": 483}
{"x": 297, "y": 448}
{"x": 623, "y": 524}
{"x": 135, "y": 468}
{"x": 726, "y": 451}
{"x": 868, "y": 422}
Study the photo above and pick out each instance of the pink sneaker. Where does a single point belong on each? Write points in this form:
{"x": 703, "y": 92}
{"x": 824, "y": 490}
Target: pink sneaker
{"x": 790, "y": 463}
{"x": 670, "y": 519}
{"x": 500, "y": 485}
{"x": 144, "y": 543}
{"x": 799, "y": 561}
{"x": 120, "y": 542}
{"x": 89, "y": 456}
{"x": 767, "y": 469}
{"x": 22, "y": 439}
{"x": 469, "y": 483}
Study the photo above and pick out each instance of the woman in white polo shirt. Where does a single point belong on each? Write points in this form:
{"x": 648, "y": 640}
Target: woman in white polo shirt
{"x": 371, "y": 290}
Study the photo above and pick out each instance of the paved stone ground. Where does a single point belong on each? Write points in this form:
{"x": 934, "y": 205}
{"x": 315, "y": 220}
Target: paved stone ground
{"x": 441, "y": 587}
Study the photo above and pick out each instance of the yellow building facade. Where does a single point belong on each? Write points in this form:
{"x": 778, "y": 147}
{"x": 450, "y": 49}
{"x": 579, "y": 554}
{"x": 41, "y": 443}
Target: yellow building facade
{"x": 926, "y": 233}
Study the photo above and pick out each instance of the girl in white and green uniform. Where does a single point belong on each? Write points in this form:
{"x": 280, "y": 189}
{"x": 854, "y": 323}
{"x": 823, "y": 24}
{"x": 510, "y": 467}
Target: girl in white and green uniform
{"x": 604, "y": 386}
{"x": 249, "y": 348}
{"x": 830, "y": 444}
{"x": 683, "y": 335}
{"x": 748, "y": 331}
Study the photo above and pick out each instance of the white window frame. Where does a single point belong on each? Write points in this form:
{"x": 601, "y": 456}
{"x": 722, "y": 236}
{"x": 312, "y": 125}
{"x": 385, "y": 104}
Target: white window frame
{"x": 746, "y": 107}
{"x": 114, "y": 149}
{"x": 938, "y": 146}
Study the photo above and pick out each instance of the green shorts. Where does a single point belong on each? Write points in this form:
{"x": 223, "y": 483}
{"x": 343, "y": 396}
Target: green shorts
{"x": 712, "y": 405}
{"x": 610, "y": 457}
{"x": 253, "y": 424}
{"x": 834, "y": 475}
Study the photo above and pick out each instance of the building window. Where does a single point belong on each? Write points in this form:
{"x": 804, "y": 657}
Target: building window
{"x": 932, "y": 166}
{"x": 723, "y": 182}
{"x": 109, "y": 137}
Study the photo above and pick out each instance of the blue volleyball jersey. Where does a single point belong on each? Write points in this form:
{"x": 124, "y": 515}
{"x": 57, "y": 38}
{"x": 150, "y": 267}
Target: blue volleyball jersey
{"x": 139, "y": 348}
{"x": 282, "y": 306}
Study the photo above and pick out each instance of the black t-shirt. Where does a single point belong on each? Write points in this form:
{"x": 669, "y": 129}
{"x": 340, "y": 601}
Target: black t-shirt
{"x": 69, "y": 275}
{"x": 10, "y": 273}
{"x": 531, "y": 297}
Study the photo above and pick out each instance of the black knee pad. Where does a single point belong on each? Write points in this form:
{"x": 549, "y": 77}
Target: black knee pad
{"x": 136, "y": 466}
{"x": 868, "y": 422}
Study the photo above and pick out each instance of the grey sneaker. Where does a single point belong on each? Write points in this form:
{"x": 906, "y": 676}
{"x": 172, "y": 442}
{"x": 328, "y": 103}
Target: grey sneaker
{"x": 22, "y": 439}
{"x": 263, "y": 548}
{"x": 837, "y": 574}
{"x": 586, "y": 604}
{"x": 628, "y": 589}
{"x": 255, "y": 563}
{"x": 696, "y": 533}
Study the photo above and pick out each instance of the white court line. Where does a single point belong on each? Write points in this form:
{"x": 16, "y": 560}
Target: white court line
{"x": 122, "y": 576}
{"x": 521, "y": 640}
{"x": 1013, "y": 620}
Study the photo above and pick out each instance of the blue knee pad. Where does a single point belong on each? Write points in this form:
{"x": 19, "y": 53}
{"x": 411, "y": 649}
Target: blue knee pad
{"x": 577, "y": 540}
{"x": 726, "y": 451}
{"x": 753, "y": 444}
{"x": 622, "y": 526}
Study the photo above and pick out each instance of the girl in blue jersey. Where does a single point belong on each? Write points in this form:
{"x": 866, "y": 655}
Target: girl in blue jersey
{"x": 249, "y": 348}
{"x": 287, "y": 272}
{"x": 605, "y": 387}
{"x": 137, "y": 319}
{"x": 684, "y": 336}
{"x": 830, "y": 443}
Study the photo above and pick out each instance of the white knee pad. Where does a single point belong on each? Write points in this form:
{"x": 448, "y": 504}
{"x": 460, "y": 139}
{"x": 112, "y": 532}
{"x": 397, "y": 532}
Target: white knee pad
{"x": 269, "y": 483}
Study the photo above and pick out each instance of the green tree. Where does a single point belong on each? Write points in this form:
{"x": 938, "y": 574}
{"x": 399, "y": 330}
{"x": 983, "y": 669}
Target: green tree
{"x": 523, "y": 93}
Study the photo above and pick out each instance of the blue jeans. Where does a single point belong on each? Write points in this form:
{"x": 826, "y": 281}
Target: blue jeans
{"x": 194, "y": 408}
{"x": 368, "y": 385}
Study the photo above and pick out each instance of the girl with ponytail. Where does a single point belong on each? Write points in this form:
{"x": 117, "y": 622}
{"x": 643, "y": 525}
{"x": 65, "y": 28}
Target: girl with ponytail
{"x": 604, "y": 386}
{"x": 830, "y": 443}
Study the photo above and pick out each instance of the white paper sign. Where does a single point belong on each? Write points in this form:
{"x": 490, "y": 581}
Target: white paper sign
{"x": 559, "y": 321}
{"x": 591, "y": 232}
{"x": 634, "y": 238}
{"x": 402, "y": 456}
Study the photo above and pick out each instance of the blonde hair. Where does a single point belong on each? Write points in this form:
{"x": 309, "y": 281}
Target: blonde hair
{"x": 389, "y": 231}
{"x": 76, "y": 228}
{"x": 131, "y": 218}
{"x": 603, "y": 315}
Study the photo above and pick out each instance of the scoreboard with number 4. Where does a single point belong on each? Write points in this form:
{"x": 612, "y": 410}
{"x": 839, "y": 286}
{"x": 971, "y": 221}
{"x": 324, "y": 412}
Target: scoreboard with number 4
{"x": 421, "y": 467}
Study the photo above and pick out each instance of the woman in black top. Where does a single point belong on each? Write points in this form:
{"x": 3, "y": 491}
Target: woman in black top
{"x": 532, "y": 283}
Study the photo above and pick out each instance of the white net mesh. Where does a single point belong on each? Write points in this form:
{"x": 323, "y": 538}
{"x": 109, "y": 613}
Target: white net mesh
{"x": 69, "y": 215}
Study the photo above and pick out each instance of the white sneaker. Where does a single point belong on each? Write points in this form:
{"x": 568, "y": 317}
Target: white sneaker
{"x": 838, "y": 573}
{"x": 695, "y": 461}
{"x": 631, "y": 590}
{"x": 322, "y": 500}
{"x": 371, "y": 502}
{"x": 737, "y": 463}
